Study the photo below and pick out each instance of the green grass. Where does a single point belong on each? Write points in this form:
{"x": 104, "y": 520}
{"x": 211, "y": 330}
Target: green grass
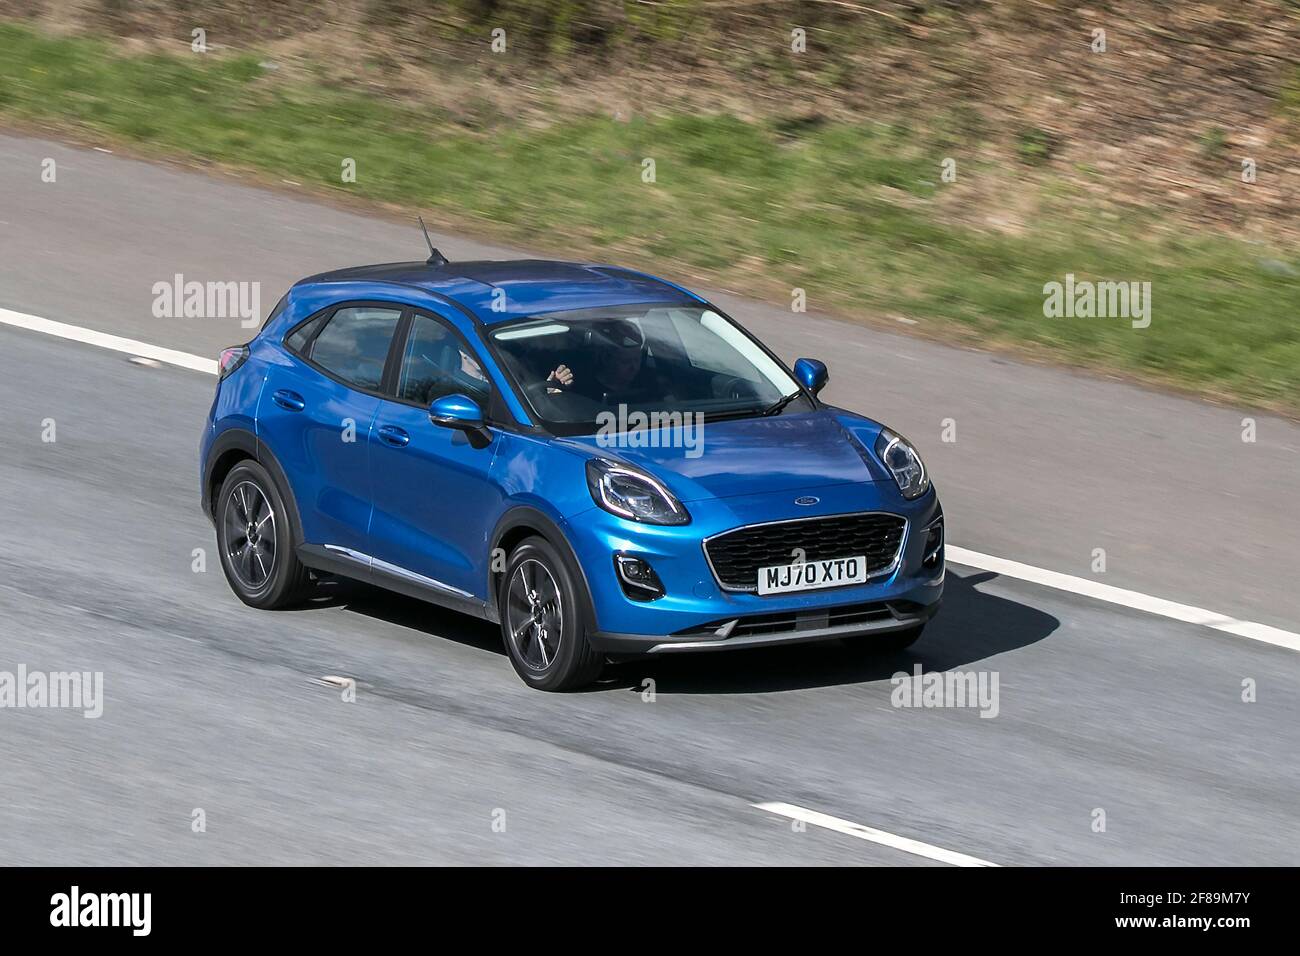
{"x": 845, "y": 211}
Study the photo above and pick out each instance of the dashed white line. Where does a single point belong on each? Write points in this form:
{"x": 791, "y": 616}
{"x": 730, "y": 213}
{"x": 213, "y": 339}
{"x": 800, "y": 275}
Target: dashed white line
{"x": 971, "y": 559}
{"x": 871, "y": 834}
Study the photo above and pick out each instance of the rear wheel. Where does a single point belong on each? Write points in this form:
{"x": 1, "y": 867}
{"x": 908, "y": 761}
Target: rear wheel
{"x": 543, "y": 622}
{"x": 256, "y": 542}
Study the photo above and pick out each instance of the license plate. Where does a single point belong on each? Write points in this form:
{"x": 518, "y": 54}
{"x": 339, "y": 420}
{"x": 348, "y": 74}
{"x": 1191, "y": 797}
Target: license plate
{"x": 811, "y": 575}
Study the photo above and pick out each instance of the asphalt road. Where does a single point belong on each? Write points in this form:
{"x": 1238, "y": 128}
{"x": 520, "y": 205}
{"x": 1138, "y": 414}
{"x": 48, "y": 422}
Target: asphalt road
{"x": 1047, "y": 466}
{"x": 211, "y": 705}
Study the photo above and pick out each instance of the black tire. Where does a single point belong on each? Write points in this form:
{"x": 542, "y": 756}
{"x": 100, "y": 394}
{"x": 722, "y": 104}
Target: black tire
{"x": 544, "y": 619}
{"x": 872, "y": 645}
{"x": 257, "y": 549}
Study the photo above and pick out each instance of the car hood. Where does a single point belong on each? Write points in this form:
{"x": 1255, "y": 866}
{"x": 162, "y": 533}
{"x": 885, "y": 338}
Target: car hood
{"x": 752, "y": 455}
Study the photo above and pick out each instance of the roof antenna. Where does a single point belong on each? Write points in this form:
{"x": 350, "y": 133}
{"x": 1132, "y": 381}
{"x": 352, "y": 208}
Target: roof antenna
{"x": 436, "y": 258}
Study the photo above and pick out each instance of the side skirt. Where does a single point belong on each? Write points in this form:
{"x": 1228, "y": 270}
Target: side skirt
{"x": 362, "y": 567}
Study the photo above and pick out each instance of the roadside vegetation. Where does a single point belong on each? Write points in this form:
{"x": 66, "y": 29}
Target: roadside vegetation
{"x": 753, "y": 190}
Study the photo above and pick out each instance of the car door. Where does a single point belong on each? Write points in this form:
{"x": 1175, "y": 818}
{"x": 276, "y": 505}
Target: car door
{"x": 434, "y": 502}
{"x": 316, "y": 413}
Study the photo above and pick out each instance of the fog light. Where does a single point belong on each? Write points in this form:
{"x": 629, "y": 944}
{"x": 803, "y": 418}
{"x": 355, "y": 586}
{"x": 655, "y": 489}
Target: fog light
{"x": 637, "y": 578}
{"x": 933, "y": 545}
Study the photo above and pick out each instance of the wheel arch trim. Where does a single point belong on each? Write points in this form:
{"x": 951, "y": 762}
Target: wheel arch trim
{"x": 537, "y": 521}
{"x": 242, "y": 440}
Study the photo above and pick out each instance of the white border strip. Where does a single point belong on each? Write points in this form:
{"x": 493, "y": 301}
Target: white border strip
{"x": 105, "y": 341}
{"x": 973, "y": 559}
{"x": 1133, "y": 599}
{"x": 915, "y": 847}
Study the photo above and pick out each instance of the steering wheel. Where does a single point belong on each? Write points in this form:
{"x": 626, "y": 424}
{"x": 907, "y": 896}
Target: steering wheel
{"x": 536, "y": 390}
{"x": 733, "y": 386}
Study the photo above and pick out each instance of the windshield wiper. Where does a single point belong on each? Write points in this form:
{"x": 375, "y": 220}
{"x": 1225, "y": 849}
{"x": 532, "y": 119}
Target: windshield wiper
{"x": 772, "y": 409}
{"x": 779, "y": 404}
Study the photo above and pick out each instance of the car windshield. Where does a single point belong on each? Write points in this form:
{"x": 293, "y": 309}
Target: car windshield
{"x": 578, "y": 369}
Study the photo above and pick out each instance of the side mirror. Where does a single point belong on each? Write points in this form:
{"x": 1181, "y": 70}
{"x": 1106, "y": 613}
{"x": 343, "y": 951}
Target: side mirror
{"x": 457, "y": 411}
{"x": 812, "y": 374}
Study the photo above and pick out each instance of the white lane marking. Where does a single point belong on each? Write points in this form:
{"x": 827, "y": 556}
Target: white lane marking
{"x": 105, "y": 341}
{"x": 915, "y": 847}
{"x": 971, "y": 559}
{"x": 1132, "y": 599}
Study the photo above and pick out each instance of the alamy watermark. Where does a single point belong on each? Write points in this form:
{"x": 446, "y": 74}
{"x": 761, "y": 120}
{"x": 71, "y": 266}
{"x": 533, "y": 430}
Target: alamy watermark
{"x": 977, "y": 689}
{"x": 179, "y": 299}
{"x": 72, "y": 690}
{"x": 635, "y": 429}
{"x": 1085, "y": 299}
{"x": 130, "y": 910}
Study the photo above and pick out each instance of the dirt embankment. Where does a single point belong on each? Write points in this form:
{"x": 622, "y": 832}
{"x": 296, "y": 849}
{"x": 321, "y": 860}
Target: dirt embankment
{"x": 1166, "y": 114}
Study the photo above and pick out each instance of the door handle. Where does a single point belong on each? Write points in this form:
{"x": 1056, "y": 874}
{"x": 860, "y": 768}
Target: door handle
{"x": 392, "y": 435}
{"x": 290, "y": 400}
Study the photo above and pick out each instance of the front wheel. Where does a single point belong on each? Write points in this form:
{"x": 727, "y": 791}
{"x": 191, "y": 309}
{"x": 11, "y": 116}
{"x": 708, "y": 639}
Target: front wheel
{"x": 543, "y": 621}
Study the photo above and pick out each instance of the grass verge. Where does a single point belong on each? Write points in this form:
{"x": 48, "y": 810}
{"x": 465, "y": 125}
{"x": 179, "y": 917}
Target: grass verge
{"x": 850, "y": 213}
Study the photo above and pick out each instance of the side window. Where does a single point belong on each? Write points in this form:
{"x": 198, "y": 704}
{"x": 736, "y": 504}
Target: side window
{"x": 354, "y": 344}
{"x": 297, "y": 339}
{"x": 436, "y": 364}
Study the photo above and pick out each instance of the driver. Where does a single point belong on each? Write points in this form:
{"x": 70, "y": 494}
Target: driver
{"x": 620, "y": 374}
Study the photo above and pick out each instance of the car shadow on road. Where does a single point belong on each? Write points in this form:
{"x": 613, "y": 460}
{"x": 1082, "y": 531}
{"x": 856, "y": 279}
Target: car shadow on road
{"x": 433, "y": 622}
{"x": 972, "y": 626}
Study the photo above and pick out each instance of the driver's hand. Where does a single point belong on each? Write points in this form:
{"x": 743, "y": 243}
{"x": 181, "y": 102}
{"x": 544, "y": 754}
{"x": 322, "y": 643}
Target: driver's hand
{"x": 561, "y": 376}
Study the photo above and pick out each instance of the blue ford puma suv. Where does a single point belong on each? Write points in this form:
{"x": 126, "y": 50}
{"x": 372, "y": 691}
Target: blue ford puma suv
{"x": 599, "y": 461}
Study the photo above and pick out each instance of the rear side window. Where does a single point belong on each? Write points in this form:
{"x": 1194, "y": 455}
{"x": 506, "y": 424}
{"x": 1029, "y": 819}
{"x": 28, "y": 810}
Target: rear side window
{"x": 299, "y": 337}
{"x": 354, "y": 344}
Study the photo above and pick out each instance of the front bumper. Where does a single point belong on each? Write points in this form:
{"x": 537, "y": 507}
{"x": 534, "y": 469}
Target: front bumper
{"x": 697, "y": 613}
{"x": 854, "y": 621}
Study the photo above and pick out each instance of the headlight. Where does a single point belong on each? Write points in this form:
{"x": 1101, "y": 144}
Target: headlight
{"x": 631, "y": 493}
{"x": 903, "y": 463}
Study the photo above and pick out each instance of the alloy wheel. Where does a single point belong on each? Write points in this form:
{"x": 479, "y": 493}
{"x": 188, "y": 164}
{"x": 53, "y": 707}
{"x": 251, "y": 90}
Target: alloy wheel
{"x": 534, "y": 614}
{"x": 250, "y": 535}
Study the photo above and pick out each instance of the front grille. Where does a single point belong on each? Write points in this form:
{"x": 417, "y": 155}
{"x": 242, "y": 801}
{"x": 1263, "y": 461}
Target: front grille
{"x": 737, "y": 555}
